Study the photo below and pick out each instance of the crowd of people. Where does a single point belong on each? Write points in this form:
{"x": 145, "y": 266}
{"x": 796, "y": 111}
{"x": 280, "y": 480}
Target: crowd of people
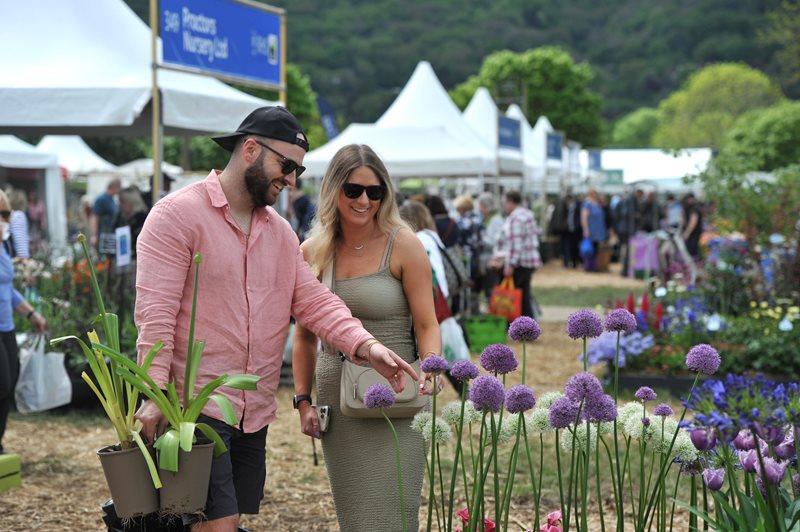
{"x": 584, "y": 226}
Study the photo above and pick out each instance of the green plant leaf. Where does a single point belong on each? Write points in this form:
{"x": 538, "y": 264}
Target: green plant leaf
{"x": 151, "y": 466}
{"x": 211, "y": 434}
{"x": 242, "y": 381}
{"x": 730, "y": 512}
{"x": 199, "y": 402}
{"x": 187, "y": 435}
{"x": 225, "y": 407}
{"x": 700, "y": 514}
{"x": 168, "y": 445}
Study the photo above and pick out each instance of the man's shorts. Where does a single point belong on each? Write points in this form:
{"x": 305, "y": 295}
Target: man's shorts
{"x": 238, "y": 476}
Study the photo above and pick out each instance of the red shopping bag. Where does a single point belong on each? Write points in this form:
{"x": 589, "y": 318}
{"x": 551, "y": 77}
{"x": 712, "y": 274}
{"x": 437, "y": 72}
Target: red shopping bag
{"x": 440, "y": 305}
{"x": 506, "y": 300}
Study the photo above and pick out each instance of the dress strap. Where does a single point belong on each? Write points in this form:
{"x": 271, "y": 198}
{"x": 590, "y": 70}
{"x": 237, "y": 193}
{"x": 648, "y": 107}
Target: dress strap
{"x": 387, "y": 252}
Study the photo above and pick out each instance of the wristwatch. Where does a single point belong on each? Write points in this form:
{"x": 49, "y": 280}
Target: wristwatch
{"x": 298, "y": 398}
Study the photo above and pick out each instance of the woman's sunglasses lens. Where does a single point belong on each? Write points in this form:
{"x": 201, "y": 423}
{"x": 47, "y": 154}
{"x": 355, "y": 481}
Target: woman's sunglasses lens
{"x": 353, "y": 191}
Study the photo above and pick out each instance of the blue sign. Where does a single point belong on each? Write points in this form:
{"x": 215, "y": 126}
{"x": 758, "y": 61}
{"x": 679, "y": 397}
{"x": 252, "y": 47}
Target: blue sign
{"x": 554, "y": 146}
{"x": 595, "y": 159}
{"x": 509, "y": 132}
{"x": 223, "y": 38}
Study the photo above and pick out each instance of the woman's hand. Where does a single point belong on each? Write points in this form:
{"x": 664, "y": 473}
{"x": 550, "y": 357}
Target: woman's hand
{"x": 390, "y": 365}
{"x": 38, "y": 322}
{"x": 309, "y": 421}
{"x": 428, "y": 381}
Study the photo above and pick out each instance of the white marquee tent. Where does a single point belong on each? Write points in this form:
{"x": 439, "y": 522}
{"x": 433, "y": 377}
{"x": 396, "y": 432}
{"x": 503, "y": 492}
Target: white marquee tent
{"x": 19, "y": 155}
{"x": 83, "y": 67}
{"x": 482, "y": 115}
{"x": 421, "y": 134}
{"x": 75, "y": 155}
{"x": 656, "y": 167}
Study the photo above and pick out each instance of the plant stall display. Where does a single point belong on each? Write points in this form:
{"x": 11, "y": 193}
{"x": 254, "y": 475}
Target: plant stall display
{"x": 651, "y": 460}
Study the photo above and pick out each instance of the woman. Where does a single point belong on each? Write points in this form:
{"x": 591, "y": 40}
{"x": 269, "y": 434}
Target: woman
{"x": 18, "y": 224}
{"x": 470, "y": 226}
{"x": 132, "y": 212}
{"x": 593, "y": 223}
{"x": 381, "y": 271}
{"x": 10, "y": 301}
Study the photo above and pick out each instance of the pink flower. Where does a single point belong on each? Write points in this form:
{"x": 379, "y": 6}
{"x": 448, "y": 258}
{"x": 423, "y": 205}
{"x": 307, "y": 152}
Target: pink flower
{"x": 553, "y": 520}
{"x": 488, "y": 526}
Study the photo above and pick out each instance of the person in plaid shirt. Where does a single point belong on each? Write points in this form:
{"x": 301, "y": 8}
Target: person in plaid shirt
{"x": 518, "y": 245}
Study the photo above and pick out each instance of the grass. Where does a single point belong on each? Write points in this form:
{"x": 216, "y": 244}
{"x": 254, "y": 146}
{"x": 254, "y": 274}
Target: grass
{"x": 581, "y": 297}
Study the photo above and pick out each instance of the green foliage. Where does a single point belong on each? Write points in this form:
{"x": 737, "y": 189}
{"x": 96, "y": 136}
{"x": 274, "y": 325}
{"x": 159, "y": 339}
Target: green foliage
{"x": 544, "y": 81}
{"x": 708, "y": 104}
{"x": 763, "y": 140}
{"x": 636, "y": 129}
{"x": 783, "y": 32}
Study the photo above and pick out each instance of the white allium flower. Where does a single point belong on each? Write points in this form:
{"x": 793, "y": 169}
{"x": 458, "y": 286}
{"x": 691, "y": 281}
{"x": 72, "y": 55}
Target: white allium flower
{"x": 538, "y": 420}
{"x": 629, "y": 410}
{"x": 634, "y": 428}
{"x": 470, "y": 414}
{"x": 452, "y": 413}
{"x": 508, "y": 429}
{"x": 661, "y": 442}
{"x": 580, "y": 437}
{"x": 684, "y": 449}
{"x": 547, "y": 400}
{"x": 421, "y": 418}
{"x": 442, "y": 433}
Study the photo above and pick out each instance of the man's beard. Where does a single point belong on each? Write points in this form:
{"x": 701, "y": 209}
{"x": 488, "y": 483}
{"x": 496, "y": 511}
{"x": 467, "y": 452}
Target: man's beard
{"x": 257, "y": 183}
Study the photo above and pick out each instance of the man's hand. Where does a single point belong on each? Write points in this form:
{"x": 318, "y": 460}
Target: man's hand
{"x": 38, "y": 322}
{"x": 389, "y": 364}
{"x": 309, "y": 421}
{"x": 153, "y": 420}
{"x": 508, "y": 271}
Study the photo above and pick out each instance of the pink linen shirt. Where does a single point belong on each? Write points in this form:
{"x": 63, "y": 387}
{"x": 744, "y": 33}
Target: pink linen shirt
{"x": 519, "y": 239}
{"x": 248, "y": 289}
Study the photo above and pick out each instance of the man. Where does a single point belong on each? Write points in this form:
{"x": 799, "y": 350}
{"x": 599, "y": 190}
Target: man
{"x": 519, "y": 246}
{"x": 104, "y": 212}
{"x": 252, "y": 279}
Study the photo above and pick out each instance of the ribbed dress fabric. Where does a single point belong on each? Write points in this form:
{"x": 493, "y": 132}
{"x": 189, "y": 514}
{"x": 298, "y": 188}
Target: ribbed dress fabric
{"x": 360, "y": 453}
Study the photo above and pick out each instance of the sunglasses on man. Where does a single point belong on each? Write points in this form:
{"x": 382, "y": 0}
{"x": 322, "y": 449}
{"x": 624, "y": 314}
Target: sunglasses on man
{"x": 354, "y": 191}
{"x": 287, "y": 165}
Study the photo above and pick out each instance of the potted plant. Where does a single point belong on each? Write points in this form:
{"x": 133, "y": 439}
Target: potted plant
{"x": 131, "y": 475}
{"x": 183, "y": 491}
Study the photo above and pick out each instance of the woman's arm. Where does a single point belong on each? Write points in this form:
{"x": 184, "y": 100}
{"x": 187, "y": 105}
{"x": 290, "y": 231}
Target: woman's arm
{"x": 411, "y": 265}
{"x": 304, "y": 353}
{"x": 585, "y": 221}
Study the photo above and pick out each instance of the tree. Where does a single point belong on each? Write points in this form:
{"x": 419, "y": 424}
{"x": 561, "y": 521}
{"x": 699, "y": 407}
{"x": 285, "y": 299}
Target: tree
{"x": 544, "y": 81}
{"x": 784, "y": 32}
{"x": 636, "y": 129}
{"x": 708, "y": 104}
{"x": 754, "y": 177}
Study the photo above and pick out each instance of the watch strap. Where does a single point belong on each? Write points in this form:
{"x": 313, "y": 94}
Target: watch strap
{"x": 302, "y": 397}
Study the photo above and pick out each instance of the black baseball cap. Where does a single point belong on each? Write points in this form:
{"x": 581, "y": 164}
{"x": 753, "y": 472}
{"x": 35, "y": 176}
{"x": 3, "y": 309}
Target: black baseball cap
{"x": 273, "y": 122}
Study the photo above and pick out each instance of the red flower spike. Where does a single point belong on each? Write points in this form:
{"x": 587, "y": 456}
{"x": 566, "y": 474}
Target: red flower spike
{"x": 631, "y": 303}
{"x": 618, "y": 304}
{"x": 658, "y": 313}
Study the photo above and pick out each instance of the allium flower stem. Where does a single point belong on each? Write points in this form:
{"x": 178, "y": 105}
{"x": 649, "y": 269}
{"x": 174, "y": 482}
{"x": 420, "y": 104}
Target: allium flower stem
{"x": 512, "y": 470}
{"x": 432, "y": 470}
{"x": 534, "y": 486}
{"x": 619, "y": 486}
{"x": 585, "y": 356}
{"x": 524, "y": 359}
{"x": 674, "y": 498}
{"x": 564, "y": 508}
{"x": 597, "y": 478}
{"x": 459, "y": 429}
{"x": 399, "y": 469}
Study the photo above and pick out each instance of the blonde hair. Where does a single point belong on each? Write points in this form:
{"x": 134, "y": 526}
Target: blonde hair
{"x": 18, "y": 201}
{"x": 4, "y": 200}
{"x": 463, "y": 204}
{"x": 326, "y": 228}
{"x": 417, "y": 215}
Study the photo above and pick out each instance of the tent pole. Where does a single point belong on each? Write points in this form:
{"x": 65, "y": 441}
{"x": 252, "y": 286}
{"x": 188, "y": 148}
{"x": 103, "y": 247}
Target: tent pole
{"x": 155, "y": 102}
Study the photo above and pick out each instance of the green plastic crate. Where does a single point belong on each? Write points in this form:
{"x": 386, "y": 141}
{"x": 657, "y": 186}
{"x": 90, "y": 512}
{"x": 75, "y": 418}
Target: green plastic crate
{"x": 9, "y": 472}
{"x": 484, "y": 330}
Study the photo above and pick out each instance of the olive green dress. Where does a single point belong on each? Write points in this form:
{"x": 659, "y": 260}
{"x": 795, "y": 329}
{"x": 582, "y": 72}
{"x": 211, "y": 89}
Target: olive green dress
{"x": 360, "y": 453}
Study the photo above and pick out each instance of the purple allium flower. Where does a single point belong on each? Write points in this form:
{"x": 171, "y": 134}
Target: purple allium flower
{"x": 464, "y": 370}
{"x": 584, "y": 324}
{"x": 583, "y": 386}
{"x": 703, "y": 358}
{"x": 646, "y": 421}
{"x": 703, "y": 438}
{"x": 620, "y": 320}
{"x": 645, "y": 393}
{"x": 378, "y": 396}
{"x": 774, "y": 470}
{"x": 434, "y": 364}
{"x": 524, "y": 329}
{"x": 601, "y": 409}
{"x": 744, "y": 441}
{"x": 498, "y": 358}
{"x": 563, "y": 413}
{"x": 714, "y": 478}
{"x": 663, "y": 410}
{"x": 487, "y": 393}
{"x": 520, "y": 398}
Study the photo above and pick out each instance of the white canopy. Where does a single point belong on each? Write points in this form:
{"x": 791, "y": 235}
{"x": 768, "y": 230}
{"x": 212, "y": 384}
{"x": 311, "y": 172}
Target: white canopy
{"x": 14, "y": 153}
{"x": 75, "y": 155}
{"x": 78, "y": 66}
{"x": 482, "y": 116}
{"x": 421, "y": 134}
{"x": 663, "y": 169}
